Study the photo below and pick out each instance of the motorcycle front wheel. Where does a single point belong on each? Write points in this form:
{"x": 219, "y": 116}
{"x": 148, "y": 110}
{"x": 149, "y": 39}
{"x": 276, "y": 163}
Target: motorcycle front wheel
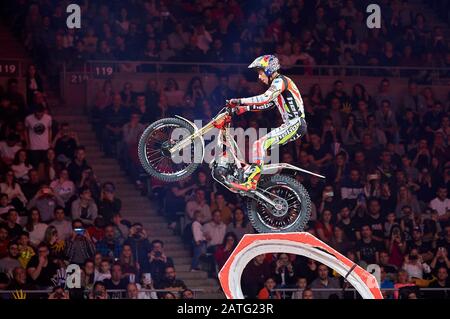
{"x": 154, "y": 154}
{"x": 293, "y": 199}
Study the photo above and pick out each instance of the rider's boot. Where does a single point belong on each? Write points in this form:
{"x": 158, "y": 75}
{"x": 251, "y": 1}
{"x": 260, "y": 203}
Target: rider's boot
{"x": 253, "y": 173}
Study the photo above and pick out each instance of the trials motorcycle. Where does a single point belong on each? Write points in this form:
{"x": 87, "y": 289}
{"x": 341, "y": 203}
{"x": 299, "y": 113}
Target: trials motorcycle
{"x": 171, "y": 149}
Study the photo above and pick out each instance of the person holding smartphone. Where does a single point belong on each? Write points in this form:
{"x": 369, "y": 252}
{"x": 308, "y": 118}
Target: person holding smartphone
{"x": 80, "y": 246}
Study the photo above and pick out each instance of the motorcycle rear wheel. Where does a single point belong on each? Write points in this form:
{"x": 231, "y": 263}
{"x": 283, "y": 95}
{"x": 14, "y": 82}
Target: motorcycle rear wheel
{"x": 296, "y": 211}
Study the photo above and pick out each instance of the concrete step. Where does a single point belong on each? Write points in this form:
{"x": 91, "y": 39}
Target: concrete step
{"x": 191, "y": 275}
{"x": 209, "y": 282}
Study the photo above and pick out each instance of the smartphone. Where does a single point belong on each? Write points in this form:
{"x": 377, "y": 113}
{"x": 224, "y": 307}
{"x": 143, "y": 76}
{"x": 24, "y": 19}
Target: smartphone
{"x": 329, "y": 194}
{"x": 79, "y": 231}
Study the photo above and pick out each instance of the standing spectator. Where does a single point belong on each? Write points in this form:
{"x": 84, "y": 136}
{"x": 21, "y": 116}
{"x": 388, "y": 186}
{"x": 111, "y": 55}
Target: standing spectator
{"x": 8, "y": 149}
{"x": 35, "y": 227}
{"x": 114, "y": 117}
{"x": 39, "y": 137}
{"x": 33, "y": 185}
{"x": 84, "y": 207}
{"x": 80, "y": 246}
{"x": 198, "y": 240}
{"x": 214, "y": 231}
{"x": 33, "y": 84}
{"x": 65, "y": 144}
{"x": 240, "y": 224}
{"x": 284, "y": 272}
{"x": 109, "y": 203}
{"x": 46, "y": 201}
{"x": 138, "y": 240}
{"x": 109, "y": 246}
{"x": 325, "y": 281}
{"x": 157, "y": 261}
{"x": 50, "y": 169}
{"x": 78, "y": 165}
{"x": 62, "y": 225}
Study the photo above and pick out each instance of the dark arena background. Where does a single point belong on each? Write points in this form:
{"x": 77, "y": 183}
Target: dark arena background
{"x": 79, "y": 85}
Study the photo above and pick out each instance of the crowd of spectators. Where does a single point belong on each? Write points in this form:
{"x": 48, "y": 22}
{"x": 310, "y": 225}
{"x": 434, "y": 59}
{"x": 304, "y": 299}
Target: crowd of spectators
{"x": 55, "y": 212}
{"x": 302, "y": 33}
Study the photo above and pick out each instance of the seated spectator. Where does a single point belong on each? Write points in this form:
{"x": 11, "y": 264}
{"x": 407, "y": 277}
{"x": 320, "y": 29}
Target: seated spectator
{"x": 300, "y": 284}
{"x": 65, "y": 144}
{"x": 414, "y": 265}
{"x": 325, "y": 281}
{"x": 5, "y": 206}
{"x": 4, "y": 240}
{"x": 130, "y": 268}
{"x": 14, "y": 191}
{"x": 352, "y": 186}
{"x": 50, "y": 168}
{"x": 284, "y": 272}
{"x": 214, "y": 231}
{"x": 9, "y": 148}
{"x": 99, "y": 291}
{"x": 198, "y": 203}
{"x": 223, "y": 252}
{"x": 103, "y": 271}
{"x": 254, "y": 276}
{"x": 267, "y": 292}
{"x": 340, "y": 242}
{"x": 440, "y": 260}
{"x": 131, "y": 133}
{"x": 59, "y": 293}
{"x": 88, "y": 274}
{"x": 14, "y": 229}
{"x": 375, "y": 219}
{"x": 63, "y": 186}
{"x": 170, "y": 281}
{"x": 84, "y": 207}
{"x": 80, "y": 246}
{"x": 109, "y": 203}
{"x": 97, "y": 230}
{"x": 46, "y": 201}
{"x": 425, "y": 249}
{"x": 138, "y": 240}
{"x": 78, "y": 165}
{"x": 26, "y": 251}
{"x": 157, "y": 261}
{"x": 35, "y": 227}
{"x": 42, "y": 268}
{"x": 403, "y": 281}
{"x": 121, "y": 226}
{"x": 109, "y": 246}
{"x": 441, "y": 203}
{"x": 324, "y": 228}
{"x": 62, "y": 225}
{"x": 10, "y": 262}
{"x": 441, "y": 282}
{"x": 33, "y": 185}
{"x": 20, "y": 280}
{"x": 116, "y": 282}
{"x": 405, "y": 197}
{"x": 187, "y": 294}
{"x": 240, "y": 224}
{"x": 220, "y": 204}
{"x": 367, "y": 249}
{"x": 54, "y": 243}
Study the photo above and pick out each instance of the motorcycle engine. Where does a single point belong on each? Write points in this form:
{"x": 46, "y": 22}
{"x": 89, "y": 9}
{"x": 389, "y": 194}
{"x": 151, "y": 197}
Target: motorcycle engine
{"x": 224, "y": 169}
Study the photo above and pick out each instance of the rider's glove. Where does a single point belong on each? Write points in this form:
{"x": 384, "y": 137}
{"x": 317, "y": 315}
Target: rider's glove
{"x": 239, "y": 110}
{"x": 234, "y": 102}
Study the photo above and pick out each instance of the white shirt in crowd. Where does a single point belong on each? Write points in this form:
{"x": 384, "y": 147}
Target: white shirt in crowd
{"x": 38, "y": 131}
{"x": 216, "y": 232}
{"x": 21, "y": 171}
{"x": 64, "y": 189}
{"x": 193, "y": 205}
{"x": 13, "y": 192}
{"x": 38, "y": 233}
{"x": 440, "y": 206}
{"x": 197, "y": 231}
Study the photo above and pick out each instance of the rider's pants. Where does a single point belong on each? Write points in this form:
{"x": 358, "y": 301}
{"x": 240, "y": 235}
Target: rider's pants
{"x": 287, "y": 132}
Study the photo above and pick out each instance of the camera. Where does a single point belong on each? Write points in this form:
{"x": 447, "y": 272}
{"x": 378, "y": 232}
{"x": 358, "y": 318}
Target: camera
{"x": 79, "y": 231}
{"x": 158, "y": 254}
